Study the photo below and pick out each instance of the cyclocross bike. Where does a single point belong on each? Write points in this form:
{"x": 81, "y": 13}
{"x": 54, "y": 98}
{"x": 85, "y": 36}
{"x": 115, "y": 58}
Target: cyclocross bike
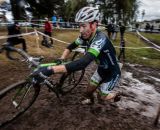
{"x": 17, "y": 98}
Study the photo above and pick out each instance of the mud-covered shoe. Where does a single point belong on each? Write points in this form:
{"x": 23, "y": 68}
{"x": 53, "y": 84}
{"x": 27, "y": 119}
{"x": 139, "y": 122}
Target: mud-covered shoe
{"x": 87, "y": 101}
{"x": 111, "y": 97}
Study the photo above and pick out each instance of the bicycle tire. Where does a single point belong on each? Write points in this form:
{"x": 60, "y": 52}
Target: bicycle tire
{"x": 16, "y": 99}
{"x": 70, "y": 81}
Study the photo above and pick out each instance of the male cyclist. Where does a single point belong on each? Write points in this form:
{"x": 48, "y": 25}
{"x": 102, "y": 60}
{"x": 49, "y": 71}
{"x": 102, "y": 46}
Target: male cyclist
{"x": 99, "y": 49}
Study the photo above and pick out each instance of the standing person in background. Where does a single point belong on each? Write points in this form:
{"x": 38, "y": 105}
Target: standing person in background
{"x": 109, "y": 30}
{"x": 122, "y": 29}
{"x": 114, "y": 32}
{"x": 15, "y": 30}
{"x": 48, "y": 32}
{"x": 152, "y": 28}
{"x": 122, "y": 51}
{"x": 147, "y": 27}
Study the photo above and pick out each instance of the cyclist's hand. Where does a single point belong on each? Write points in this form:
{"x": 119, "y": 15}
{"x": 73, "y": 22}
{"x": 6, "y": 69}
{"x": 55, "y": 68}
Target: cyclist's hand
{"x": 41, "y": 73}
{"x": 59, "y": 61}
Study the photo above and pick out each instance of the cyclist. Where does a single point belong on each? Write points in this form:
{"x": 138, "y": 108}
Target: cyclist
{"x": 48, "y": 32}
{"x": 14, "y": 30}
{"x": 99, "y": 49}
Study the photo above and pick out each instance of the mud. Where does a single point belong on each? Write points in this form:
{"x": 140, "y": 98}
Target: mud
{"x": 136, "y": 110}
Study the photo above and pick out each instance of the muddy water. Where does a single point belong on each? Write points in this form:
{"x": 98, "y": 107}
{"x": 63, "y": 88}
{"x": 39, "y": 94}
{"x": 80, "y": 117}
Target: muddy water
{"x": 146, "y": 99}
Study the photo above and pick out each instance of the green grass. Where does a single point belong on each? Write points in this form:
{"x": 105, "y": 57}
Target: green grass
{"x": 147, "y": 57}
{"x": 154, "y": 37}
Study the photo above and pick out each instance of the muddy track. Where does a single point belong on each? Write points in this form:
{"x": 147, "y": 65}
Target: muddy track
{"x": 49, "y": 114}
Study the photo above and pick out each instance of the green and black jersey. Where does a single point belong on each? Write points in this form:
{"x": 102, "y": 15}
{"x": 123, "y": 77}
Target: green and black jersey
{"x": 99, "y": 48}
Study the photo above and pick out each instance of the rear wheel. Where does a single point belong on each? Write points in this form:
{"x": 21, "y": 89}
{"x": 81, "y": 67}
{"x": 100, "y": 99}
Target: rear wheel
{"x": 15, "y": 100}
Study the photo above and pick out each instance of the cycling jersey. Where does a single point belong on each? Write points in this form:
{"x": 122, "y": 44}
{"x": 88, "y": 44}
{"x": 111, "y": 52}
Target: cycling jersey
{"x": 102, "y": 50}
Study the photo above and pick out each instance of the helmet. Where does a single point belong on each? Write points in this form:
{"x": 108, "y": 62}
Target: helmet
{"x": 87, "y": 14}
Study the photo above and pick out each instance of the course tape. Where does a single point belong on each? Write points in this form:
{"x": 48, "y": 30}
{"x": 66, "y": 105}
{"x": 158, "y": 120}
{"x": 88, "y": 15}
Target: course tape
{"x": 114, "y": 46}
{"x": 36, "y": 33}
{"x": 52, "y": 38}
{"x": 17, "y": 35}
{"x": 134, "y": 47}
{"x": 156, "y": 47}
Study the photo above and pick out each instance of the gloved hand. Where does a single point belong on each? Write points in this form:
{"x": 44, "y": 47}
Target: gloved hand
{"x": 41, "y": 72}
{"x": 59, "y": 61}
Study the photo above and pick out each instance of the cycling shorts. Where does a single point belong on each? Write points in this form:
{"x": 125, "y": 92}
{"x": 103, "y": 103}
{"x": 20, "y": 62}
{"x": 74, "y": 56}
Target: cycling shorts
{"x": 105, "y": 79}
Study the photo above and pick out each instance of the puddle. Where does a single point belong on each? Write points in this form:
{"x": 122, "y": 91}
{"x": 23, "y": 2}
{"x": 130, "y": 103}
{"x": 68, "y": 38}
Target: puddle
{"x": 146, "y": 100}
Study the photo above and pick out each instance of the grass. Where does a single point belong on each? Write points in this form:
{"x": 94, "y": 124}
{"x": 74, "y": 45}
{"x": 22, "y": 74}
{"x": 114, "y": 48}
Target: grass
{"x": 147, "y": 57}
{"x": 154, "y": 37}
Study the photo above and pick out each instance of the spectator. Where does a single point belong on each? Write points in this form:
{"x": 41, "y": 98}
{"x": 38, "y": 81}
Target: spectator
{"x": 15, "y": 30}
{"x": 122, "y": 51}
{"x": 54, "y": 21}
{"x": 152, "y": 28}
{"x": 114, "y": 31}
{"x": 137, "y": 26}
{"x": 147, "y": 27}
{"x": 110, "y": 30}
{"x": 122, "y": 29}
{"x": 48, "y": 32}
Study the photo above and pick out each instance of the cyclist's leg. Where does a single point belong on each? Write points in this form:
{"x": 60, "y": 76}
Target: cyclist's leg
{"x": 105, "y": 89}
{"x": 92, "y": 86}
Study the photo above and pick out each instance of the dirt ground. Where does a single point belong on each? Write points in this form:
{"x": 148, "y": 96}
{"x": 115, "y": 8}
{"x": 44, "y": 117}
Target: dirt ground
{"x": 135, "y": 111}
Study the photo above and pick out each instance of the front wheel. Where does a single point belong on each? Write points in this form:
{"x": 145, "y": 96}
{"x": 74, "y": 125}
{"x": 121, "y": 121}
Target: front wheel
{"x": 69, "y": 81}
{"x": 16, "y": 99}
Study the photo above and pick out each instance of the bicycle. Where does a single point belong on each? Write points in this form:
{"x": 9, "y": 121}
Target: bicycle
{"x": 19, "y": 97}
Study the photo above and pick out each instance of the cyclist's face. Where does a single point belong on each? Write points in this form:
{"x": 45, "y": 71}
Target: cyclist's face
{"x": 86, "y": 30}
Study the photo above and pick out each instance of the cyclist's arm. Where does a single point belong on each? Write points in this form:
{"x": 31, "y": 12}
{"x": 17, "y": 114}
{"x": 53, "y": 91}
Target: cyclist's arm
{"x": 75, "y": 65}
{"x": 65, "y": 54}
{"x": 81, "y": 63}
{"x": 68, "y": 50}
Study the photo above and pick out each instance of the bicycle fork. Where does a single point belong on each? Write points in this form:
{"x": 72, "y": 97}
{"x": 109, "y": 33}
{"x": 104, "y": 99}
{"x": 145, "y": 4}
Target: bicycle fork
{"x": 53, "y": 88}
